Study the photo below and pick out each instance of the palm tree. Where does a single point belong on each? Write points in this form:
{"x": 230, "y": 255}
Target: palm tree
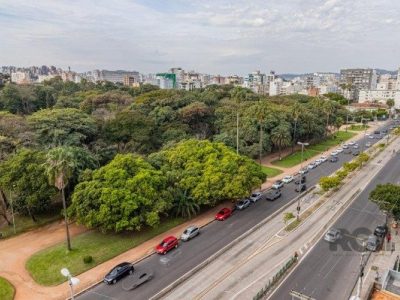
{"x": 280, "y": 137}
{"x": 261, "y": 113}
{"x": 296, "y": 111}
{"x": 185, "y": 205}
{"x": 60, "y": 165}
{"x": 328, "y": 108}
{"x": 238, "y": 94}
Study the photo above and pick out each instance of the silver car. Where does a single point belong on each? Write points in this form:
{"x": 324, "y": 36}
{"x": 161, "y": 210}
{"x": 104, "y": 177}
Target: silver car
{"x": 256, "y": 196}
{"x": 332, "y": 235}
{"x": 373, "y": 243}
{"x": 190, "y": 232}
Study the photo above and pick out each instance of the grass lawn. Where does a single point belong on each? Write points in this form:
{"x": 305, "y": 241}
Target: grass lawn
{"x": 358, "y": 127}
{"x": 313, "y": 150}
{"x": 25, "y": 223}
{"x": 295, "y": 158}
{"x": 45, "y": 266}
{"x": 7, "y": 290}
{"x": 270, "y": 172}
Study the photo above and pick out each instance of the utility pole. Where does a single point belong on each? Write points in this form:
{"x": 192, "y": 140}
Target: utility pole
{"x": 301, "y": 168}
{"x": 361, "y": 274}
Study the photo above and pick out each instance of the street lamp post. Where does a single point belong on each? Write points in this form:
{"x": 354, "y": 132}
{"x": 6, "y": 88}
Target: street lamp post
{"x": 72, "y": 281}
{"x": 301, "y": 168}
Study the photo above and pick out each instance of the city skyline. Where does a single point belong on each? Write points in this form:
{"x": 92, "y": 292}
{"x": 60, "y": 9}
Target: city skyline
{"x": 219, "y": 37}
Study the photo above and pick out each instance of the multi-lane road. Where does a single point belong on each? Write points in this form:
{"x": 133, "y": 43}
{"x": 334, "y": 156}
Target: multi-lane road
{"x": 214, "y": 236}
{"x": 329, "y": 273}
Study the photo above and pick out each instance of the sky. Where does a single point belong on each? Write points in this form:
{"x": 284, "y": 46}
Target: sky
{"x": 209, "y": 36}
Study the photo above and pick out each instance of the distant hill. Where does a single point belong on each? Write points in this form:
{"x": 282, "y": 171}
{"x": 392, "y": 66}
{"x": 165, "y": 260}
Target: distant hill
{"x": 290, "y": 76}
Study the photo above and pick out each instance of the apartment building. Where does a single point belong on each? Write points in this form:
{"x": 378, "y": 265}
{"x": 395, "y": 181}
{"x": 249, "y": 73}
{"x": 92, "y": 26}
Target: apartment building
{"x": 357, "y": 80}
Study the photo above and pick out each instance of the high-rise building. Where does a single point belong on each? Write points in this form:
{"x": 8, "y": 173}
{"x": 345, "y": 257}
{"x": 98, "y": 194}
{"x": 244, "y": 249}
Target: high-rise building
{"x": 21, "y": 77}
{"x": 357, "y": 80}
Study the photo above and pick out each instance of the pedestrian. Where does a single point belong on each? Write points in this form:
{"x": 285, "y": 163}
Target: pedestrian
{"x": 389, "y": 237}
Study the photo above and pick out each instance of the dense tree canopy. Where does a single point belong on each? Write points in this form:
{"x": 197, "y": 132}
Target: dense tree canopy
{"x": 126, "y": 194}
{"x": 387, "y": 197}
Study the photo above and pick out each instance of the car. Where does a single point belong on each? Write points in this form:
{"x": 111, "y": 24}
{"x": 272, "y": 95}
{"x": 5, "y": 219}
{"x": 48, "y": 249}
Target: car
{"x": 332, "y": 235}
{"x": 377, "y": 132}
{"x": 367, "y": 134}
{"x": 167, "y": 244}
{"x": 255, "y": 197}
{"x": 373, "y": 243}
{"x": 384, "y": 131}
{"x": 300, "y": 179}
{"x": 303, "y": 171}
{"x": 136, "y": 280}
{"x": 317, "y": 162}
{"x": 381, "y": 230}
{"x": 311, "y": 166}
{"x": 272, "y": 195}
{"x": 323, "y": 158}
{"x": 190, "y": 232}
{"x": 378, "y": 137}
{"x": 118, "y": 272}
{"x": 356, "y": 152}
{"x": 277, "y": 185}
{"x": 223, "y": 214}
{"x": 345, "y": 146}
{"x": 287, "y": 179}
{"x": 355, "y": 146}
{"x": 242, "y": 204}
{"x": 334, "y": 152}
{"x": 333, "y": 158}
{"x": 339, "y": 150}
{"x": 371, "y": 137}
{"x": 351, "y": 143}
{"x": 368, "y": 144}
{"x": 300, "y": 187}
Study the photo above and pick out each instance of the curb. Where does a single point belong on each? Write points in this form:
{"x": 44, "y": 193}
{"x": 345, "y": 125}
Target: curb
{"x": 203, "y": 264}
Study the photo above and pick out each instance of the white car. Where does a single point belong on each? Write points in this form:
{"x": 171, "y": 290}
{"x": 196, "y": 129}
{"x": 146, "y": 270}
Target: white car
{"x": 323, "y": 158}
{"x": 355, "y": 146}
{"x": 345, "y": 146}
{"x": 317, "y": 162}
{"x": 311, "y": 166}
{"x": 367, "y": 134}
{"x": 371, "y": 137}
{"x": 255, "y": 196}
{"x": 368, "y": 144}
{"x": 303, "y": 171}
{"x": 351, "y": 143}
{"x": 332, "y": 235}
{"x": 339, "y": 150}
{"x": 334, "y": 152}
{"x": 287, "y": 179}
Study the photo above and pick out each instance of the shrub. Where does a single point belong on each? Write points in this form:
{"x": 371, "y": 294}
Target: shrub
{"x": 329, "y": 182}
{"x": 363, "y": 157}
{"x": 351, "y": 166}
{"x": 87, "y": 259}
{"x": 341, "y": 174}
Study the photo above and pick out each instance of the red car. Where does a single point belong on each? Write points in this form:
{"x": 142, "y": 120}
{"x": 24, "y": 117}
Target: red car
{"x": 223, "y": 214}
{"x": 167, "y": 244}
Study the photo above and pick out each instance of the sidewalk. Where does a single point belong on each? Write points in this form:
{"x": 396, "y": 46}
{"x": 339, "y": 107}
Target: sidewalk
{"x": 267, "y": 160}
{"x": 14, "y": 253}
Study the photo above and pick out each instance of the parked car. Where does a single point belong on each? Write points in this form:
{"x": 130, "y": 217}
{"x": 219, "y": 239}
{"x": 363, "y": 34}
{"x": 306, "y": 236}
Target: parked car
{"x": 287, "y": 179}
{"x": 311, "y": 166}
{"x": 136, "y": 280}
{"x": 377, "y": 132}
{"x": 339, "y": 150}
{"x": 348, "y": 151}
{"x": 333, "y": 158}
{"x": 381, "y": 230}
{"x": 119, "y": 272}
{"x": 356, "y": 152}
{"x": 373, "y": 243}
{"x": 371, "y": 137}
{"x": 332, "y": 235}
{"x": 317, "y": 162}
{"x": 256, "y": 196}
{"x": 355, "y": 146}
{"x": 300, "y": 179}
{"x": 278, "y": 184}
{"x": 368, "y": 144}
{"x": 303, "y": 171}
{"x": 190, "y": 232}
{"x": 223, "y": 214}
{"x": 242, "y": 204}
{"x": 273, "y": 194}
{"x": 334, "y": 152}
{"x": 323, "y": 158}
{"x": 167, "y": 244}
{"x": 345, "y": 146}
{"x": 300, "y": 187}
{"x": 351, "y": 143}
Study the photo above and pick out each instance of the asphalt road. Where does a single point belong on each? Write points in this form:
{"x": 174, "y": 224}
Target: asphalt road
{"x": 169, "y": 267}
{"x": 331, "y": 273}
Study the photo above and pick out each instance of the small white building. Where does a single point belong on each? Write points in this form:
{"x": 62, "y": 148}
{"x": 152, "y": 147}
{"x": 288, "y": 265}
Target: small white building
{"x": 380, "y": 96}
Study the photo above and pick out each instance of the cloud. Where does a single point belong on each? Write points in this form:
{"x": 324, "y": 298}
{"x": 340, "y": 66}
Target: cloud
{"x": 218, "y": 36}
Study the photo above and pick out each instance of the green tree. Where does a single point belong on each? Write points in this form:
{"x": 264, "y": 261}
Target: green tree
{"x": 58, "y": 127}
{"x": 280, "y": 137}
{"x": 390, "y": 103}
{"x": 24, "y": 174}
{"x": 387, "y": 197}
{"x": 329, "y": 182}
{"x": 184, "y": 205}
{"x": 126, "y": 194}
